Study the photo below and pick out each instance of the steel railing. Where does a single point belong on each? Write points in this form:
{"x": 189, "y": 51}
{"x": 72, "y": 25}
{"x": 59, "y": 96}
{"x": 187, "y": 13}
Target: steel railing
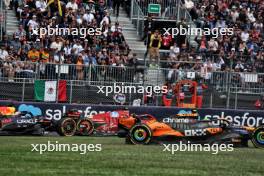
{"x": 233, "y": 87}
{"x": 49, "y": 71}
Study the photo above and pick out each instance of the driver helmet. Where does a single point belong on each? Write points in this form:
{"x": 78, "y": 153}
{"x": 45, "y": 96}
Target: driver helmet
{"x": 194, "y": 111}
{"x": 133, "y": 115}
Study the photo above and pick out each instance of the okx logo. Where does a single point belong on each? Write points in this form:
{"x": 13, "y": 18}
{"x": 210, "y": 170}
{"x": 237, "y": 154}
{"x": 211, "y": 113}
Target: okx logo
{"x": 195, "y": 132}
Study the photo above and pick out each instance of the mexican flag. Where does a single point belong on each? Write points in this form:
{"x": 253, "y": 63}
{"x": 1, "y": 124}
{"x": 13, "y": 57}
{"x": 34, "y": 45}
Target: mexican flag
{"x": 46, "y": 90}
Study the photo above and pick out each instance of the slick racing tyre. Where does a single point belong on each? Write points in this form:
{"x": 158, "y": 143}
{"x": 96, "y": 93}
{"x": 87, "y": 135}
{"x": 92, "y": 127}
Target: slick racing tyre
{"x": 258, "y": 137}
{"x": 67, "y": 127}
{"x": 85, "y": 127}
{"x": 140, "y": 134}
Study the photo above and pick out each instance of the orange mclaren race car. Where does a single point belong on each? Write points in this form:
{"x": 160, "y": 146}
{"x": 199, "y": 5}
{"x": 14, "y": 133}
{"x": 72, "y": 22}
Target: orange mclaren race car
{"x": 143, "y": 129}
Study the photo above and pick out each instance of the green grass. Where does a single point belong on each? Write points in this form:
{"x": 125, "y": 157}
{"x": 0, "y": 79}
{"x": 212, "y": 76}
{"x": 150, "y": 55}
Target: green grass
{"x": 117, "y": 158}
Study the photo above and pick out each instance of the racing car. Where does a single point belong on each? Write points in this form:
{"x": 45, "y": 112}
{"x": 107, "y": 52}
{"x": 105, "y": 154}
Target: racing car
{"x": 98, "y": 124}
{"x": 25, "y": 123}
{"x": 146, "y": 129}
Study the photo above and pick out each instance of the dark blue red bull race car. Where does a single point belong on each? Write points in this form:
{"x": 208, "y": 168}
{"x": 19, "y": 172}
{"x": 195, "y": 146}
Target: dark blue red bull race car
{"x": 13, "y": 122}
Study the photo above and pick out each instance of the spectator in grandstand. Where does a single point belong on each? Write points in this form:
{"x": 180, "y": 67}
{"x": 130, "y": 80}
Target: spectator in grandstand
{"x": 148, "y": 25}
{"x": 174, "y": 51}
{"x": 15, "y": 44}
{"x": 65, "y": 48}
{"x": 116, "y": 28}
{"x": 57, "y": 44}
{"x": 116, "y": 6}
{"x": 5, "y": 41}
{"x": 20, "y": 33}
{"x": 88, "y": 16}
{"x": 3, "y": 52}
{"x": 246, "y": 20}
{"x": 188, "y": 4}
{"x": 33, "y": 54}
{"x": 72, "y": 5}
{"x": 41, "y": 4}
{"x": 79, "y": 67}
{"x": 155, "y": 43}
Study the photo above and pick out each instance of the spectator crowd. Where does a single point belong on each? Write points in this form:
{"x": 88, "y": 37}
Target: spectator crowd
{"x": 25, "y": 48}
{"x": 241, "y": 52}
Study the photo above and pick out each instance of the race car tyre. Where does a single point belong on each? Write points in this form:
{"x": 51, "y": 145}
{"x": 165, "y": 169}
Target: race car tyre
{"x": 85, "y": 127}
{"x": 258, "y": 137}
{"x": 67, "y": 127}
{"x": 140, "y": 134}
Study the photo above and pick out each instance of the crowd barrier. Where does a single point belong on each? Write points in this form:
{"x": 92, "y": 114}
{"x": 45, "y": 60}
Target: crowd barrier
{"x": 237, "y": 90}
{"x": 55, "y": 111}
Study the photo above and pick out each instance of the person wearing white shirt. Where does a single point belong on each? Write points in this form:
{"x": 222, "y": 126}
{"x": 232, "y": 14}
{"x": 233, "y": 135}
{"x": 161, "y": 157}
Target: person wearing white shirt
{"x": 77, "y": 47}
{"x": 41, "y": 4}
{"x": 174, "y": 51}
{"x": 213, "y": 45}
{"x": 239, "y": 65}
{"x": 234, "y": 14}
{"x": 105, "y": 20}
{"x": 218, "y": 65}
{"x": 116, "y": 28}
{"x": 189, "y": 4}
{"x": 3, "y": 53}
{"x": 33, "y": 23}
{"x": 88, "y": 17}
{"x": 244, "y": 36}
{"x": 67, "y": 48}
{"x": 56, "y": 45}
{"x": 251, "y": 17}
{"x": 73, "y": 5}
{"x": 59, "y": 57}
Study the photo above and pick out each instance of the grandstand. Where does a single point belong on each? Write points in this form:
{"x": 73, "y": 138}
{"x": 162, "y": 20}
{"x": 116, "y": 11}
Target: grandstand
{"x": 231, "y": 65}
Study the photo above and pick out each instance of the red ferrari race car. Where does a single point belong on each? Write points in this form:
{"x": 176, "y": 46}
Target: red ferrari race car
{"x": 73, "y": 122}
{"x": 144, "y": 129}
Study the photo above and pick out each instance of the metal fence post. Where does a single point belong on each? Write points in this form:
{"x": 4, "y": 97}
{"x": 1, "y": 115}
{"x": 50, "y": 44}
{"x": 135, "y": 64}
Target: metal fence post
{"x": 178, "y": 10}
{"x": 211, "y": 100}
{"x": 5, "y": 21}
{"x": 131, "y": 9}
{"x": 90, "y": 74}
{"x": 37, "y": 72}
{"x": 138, "y": 21}
{"x": 58, "y": 79}
{"x": 228, "y": 79}
{"x": 144, "y": 82}
{"x": 1, "y": 23}
{"x": 23, "y": 90}
{"x": 158, "y": 76}
{"x": 228, "y": 99}
{"x": 130, "y": 101}
{"x": 70, "y": 92}
{"x": 236, "y": 99}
